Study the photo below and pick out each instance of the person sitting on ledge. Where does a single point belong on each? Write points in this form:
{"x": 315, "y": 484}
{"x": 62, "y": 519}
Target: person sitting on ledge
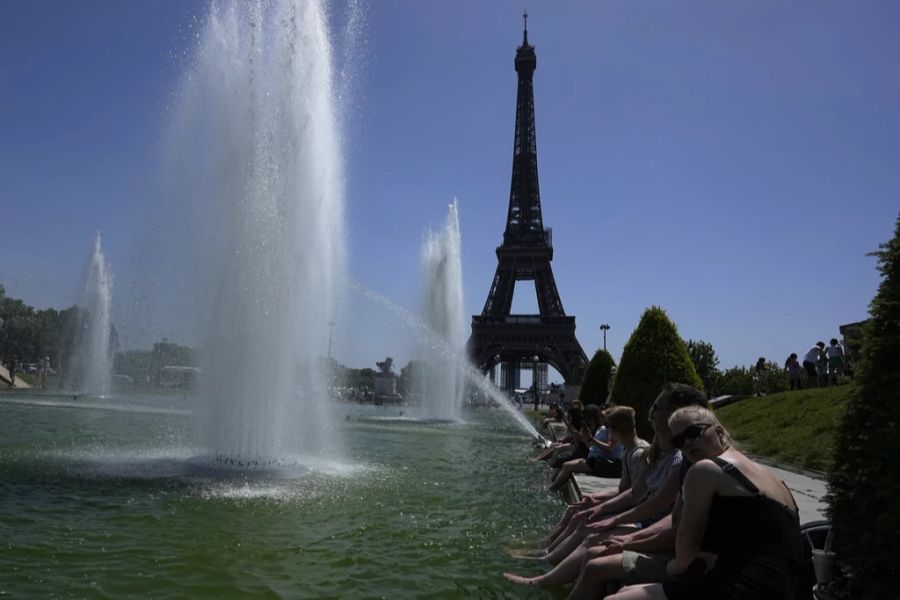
{"x": 605, "y": 452}
{"x": 566, "y": 447}
{"x": 739, "y": 536}
{"x": 554, "y": 415}
{"x": 579, "y": 436}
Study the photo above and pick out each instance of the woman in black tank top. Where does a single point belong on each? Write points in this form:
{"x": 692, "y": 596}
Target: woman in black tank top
{"x": 738, "y": 538}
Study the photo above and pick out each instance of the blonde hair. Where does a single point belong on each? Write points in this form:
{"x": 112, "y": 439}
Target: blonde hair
{"x": 698, "y": 413}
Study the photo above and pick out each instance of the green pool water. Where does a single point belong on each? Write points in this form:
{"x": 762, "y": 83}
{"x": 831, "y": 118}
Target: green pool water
{"x": 99, "y": 500}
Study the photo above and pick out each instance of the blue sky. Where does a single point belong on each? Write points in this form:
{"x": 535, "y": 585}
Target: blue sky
{"x": 730, "y": 162}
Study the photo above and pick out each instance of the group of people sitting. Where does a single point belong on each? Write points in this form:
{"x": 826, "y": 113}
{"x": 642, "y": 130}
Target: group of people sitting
{"x": 692, "y": 517}
{"x": 588, "y": 446}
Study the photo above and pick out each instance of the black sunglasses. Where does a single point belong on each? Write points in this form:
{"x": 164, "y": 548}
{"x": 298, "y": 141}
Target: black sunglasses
{"x": 691, "y": 432}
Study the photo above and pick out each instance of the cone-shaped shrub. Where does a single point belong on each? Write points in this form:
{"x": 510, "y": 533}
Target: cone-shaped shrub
{"x": 654, "y": 355}
{"x": 595, "y": 383}
{"x": 864, "y": 485}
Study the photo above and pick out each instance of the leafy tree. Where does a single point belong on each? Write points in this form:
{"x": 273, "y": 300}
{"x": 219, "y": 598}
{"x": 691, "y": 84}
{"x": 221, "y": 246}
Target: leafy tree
{"x": 864, "y": 485}
{"x": 654, "y": 355}
{"x": 18, "y": 333}
{"x": 706, "y": 363}
{"x": 777, "y": 380}
{"x": 411, "y": 377}
{"x": 596, "y": 380}
{"x": 361, "y": 378}
{"x": 68, "y": 326}
{"x": 736, "y": 381}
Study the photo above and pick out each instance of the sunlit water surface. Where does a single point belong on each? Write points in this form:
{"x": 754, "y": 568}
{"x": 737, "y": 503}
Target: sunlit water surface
{"x": 105, "y": 498}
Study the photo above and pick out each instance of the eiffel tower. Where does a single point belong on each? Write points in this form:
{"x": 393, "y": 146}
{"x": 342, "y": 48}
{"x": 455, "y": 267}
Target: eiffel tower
{"x": 525, "y": 255}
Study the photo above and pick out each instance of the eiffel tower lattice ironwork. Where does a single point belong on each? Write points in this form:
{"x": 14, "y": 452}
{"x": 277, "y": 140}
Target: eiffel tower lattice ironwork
{"x": 525, "y": 255}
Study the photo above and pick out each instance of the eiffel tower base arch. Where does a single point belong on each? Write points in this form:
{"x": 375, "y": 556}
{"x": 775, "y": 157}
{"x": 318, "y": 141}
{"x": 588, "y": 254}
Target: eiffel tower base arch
{"x": 519, "y": 338}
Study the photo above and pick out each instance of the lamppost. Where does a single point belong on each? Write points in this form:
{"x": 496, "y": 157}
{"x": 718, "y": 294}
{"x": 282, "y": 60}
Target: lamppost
{"x": 604, "y": 328}
{"x": 534, "y": 377}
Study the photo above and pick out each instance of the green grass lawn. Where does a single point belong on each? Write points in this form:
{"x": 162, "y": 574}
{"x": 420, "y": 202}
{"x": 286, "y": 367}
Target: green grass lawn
{"x": 793, "y": 427}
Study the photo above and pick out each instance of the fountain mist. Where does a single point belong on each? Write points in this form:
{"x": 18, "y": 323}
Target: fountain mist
{"x": 443, "y": 314}
{"x": 258, "y": 128}
{"x": 470, "y": 372}
{"x": 90, "y": 365}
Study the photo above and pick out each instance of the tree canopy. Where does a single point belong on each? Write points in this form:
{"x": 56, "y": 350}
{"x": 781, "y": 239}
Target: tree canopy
{"x": 596, "y": 380}
{"x": 654, "y": 355}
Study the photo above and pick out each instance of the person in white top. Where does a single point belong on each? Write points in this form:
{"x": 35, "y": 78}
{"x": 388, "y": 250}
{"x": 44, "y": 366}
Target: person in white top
{"x": 835, "y": 354}
{"x": 811, "y": 361}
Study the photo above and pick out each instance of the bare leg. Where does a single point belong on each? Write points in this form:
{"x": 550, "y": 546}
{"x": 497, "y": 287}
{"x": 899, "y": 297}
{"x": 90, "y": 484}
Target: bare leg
{"x": 586, "y": 502}
{"x": 546, "y": 453}
{"x": 565, "y": 572}
{"x": 564, "y": 522}
{"x": 569, "y": 545}
{"x": 595, "y": 574}
{"x": 573, "y": 466}
{"x": 644, "y": 591}
{"x": 577, "y": 522}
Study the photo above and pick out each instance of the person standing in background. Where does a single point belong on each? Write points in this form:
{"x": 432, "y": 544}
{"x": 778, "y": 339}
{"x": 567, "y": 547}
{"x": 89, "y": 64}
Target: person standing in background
{"x": 760, "y": 376}
{"x": 795, "y": 372}
{"x": 811, "y": 362}
{"x": 835, "y": 353}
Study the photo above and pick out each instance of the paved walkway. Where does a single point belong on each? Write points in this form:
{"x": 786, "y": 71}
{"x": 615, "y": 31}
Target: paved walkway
{"x": 4, "y": 379}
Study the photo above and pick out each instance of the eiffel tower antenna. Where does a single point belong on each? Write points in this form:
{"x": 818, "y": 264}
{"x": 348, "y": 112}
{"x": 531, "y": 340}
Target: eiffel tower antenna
{"x": 525, "y": 37}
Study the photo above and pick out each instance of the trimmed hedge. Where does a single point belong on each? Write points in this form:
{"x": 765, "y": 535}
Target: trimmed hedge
{"x": 654, "y": 355}
{"x": 864, "y": 485}
{"x": 595, "y": 383}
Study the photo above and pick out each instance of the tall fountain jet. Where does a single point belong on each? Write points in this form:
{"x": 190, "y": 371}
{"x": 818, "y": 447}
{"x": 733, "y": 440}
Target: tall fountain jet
{"x": 90, "y": 363}
{"x": 445, "y": 318}
{"x": 258, "y": 140}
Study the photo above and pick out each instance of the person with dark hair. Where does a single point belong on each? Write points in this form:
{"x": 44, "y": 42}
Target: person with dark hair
{"x": 605, "y": 452}
{"x": 554, "y": 415}
{"x": 567, "y": 446}
{"x": 11, "y": 365}
{"x": 835, "y": 354}
{"x": 794, "y": 371}
{"x": 760, "y": 374}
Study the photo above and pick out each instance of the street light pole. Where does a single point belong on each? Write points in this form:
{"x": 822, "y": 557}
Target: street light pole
{"x": 604, "y": 328}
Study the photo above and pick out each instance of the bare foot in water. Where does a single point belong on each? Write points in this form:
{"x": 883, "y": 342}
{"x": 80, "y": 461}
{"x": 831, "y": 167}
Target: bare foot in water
{"x": 530, "y": 581}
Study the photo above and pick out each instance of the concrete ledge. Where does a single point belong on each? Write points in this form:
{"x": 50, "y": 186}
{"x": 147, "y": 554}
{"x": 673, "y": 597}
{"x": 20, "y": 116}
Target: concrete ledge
{"x": 589, "y": 484}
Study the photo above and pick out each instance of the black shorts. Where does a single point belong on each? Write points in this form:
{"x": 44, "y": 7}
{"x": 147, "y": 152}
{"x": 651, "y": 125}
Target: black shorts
{"x": 604, "y": 467}
{"x": 810, "y": 368}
